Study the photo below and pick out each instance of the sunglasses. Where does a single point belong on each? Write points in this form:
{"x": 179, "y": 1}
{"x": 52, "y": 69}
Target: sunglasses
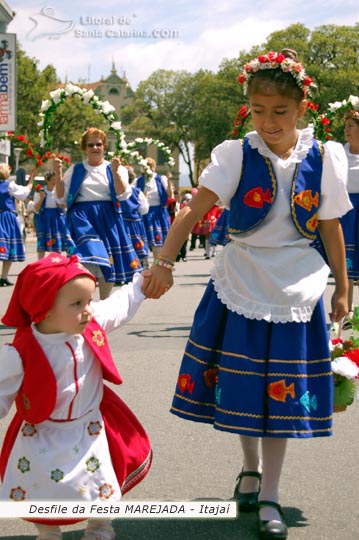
{"x": 91, "y": 144}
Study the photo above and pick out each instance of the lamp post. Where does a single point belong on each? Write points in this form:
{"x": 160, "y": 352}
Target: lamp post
{"x": 17, "y": 152}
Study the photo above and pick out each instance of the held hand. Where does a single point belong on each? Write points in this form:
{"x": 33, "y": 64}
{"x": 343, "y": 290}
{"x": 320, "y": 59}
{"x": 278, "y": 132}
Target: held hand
{"x": 158, "y": 283}
{"x": 339, "y": 307}
{"x": 115, "y": 164}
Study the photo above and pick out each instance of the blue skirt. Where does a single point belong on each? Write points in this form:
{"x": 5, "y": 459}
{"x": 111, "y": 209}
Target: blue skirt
{"x": 350, "y": 226}
{"x": 51, "y": 230}
{"x": 137, "y": 233}
{"x": 256, "y": 378}
{"x": 219, "y": 236}
{"x": 157, "y": 224}
{"x": 97, "y": 234}
{"x": 11, "y": 241}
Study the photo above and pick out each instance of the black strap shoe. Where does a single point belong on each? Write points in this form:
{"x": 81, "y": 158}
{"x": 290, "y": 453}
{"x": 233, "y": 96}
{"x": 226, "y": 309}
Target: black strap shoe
{"x": 272, "y": 529}
{"x": 247, "y": 501}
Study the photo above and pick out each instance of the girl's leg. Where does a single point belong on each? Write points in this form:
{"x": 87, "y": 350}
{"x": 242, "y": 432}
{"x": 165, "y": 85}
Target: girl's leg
{"x": 40, "y": 254}
{"x": 156, "y": 251}
{"x": 4, "y": 282}
{"x": 273, "y": 453}
{"x": 207, "y": 248}
{"x": 105, "y": 288}
{"x": 251, "y": 462}
{"x": 48, "y": 532}
{"x": 99, "y": 529}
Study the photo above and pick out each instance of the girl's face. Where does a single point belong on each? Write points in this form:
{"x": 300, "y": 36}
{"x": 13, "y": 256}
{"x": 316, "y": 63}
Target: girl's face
{"x": 71, "y": 311}
{"x": 275, "y": 119}
{"x": 50, "y": 184}
{"x": 351, "y": 131}
{"x": 95, "y": 150}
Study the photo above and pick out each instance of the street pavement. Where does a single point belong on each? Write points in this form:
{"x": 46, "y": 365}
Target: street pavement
{"x": 193, "y": 462}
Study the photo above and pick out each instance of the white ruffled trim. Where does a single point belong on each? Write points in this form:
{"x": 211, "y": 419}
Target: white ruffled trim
{"x": 304, "y": 144}
{"x": 253, "y": 310}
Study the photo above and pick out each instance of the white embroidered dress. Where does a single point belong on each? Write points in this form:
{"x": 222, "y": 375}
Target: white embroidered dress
{"x": 66, "y": 457}
{"x": 271, "y": 272}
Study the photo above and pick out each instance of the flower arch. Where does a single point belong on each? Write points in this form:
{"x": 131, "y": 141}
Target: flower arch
{"x": 127, "y": 151}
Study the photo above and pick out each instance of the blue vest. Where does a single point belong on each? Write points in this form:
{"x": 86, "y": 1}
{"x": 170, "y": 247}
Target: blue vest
{"x": 161, "y": 190}
{"x": 130, "y": 205}
{"x": 43, "y": 206}
{"x": 7, "y": 202}
{"x": 78, "y": 175}
{"x": 257, "y": 191}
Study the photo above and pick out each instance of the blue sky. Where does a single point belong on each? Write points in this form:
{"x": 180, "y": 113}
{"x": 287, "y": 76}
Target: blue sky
{"x": 82, "y": 40}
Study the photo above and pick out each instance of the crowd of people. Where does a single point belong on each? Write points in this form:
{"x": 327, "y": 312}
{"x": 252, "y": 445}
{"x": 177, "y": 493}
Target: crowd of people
{"x": 258, "y": 343}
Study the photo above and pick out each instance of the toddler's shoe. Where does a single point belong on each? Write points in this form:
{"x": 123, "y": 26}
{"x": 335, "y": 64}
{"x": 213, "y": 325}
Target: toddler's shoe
{"x": 99, "y": 531}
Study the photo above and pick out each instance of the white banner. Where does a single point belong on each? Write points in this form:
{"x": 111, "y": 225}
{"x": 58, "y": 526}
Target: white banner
{"x": 7, "y": 82}
{"x": 130, "y": 509}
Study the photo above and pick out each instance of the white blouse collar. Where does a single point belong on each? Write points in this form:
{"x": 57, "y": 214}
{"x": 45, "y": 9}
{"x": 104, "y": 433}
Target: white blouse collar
{"x": 304, "y": 143}
{"x": 53, "y": 339}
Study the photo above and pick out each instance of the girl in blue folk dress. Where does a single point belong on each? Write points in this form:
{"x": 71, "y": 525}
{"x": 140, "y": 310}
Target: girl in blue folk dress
{"x": 257, "y": 361}
{"x": 49, "y": 218}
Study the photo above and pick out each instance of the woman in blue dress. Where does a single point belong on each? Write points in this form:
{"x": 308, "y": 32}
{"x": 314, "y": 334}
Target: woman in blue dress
{"x": 92, "y": 191}
{"x": 257, "y": 362}
{"x": 11, "y": 240}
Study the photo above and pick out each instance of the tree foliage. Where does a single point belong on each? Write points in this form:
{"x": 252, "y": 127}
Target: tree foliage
{"x": 197, "y": 111}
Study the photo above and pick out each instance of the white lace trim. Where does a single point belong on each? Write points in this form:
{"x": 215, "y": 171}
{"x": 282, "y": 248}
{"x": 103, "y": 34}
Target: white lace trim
{"x": 250, "y": 309}
{"x": 304, "y": 143}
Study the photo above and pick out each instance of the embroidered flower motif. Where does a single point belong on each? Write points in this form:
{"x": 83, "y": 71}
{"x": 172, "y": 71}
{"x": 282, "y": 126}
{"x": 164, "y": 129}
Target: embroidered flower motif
{"x": 56, "y": 259}
{"x": 210, "y": 377}
{"x": 218, "y": 393}
{"x": 139, "y": 244}
{"x": 135, "y": 263}
{"x": 94, "y": 428}
{"x": 92, "y": 464}
{"x": 17, "y": 494}
{"x": 28, "y": 430}
{"x": 98, "y": 337}
{"x": 185, "y": 383}
{"x": 105, "y": 491}
{"x": 57, "y": 475}
{"x": 23, "y": 465}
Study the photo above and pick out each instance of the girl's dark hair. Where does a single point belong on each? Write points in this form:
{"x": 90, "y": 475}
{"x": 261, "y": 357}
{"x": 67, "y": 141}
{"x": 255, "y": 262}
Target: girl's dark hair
{"x": 48, "y": 175}
{"x": 284, "y": 82}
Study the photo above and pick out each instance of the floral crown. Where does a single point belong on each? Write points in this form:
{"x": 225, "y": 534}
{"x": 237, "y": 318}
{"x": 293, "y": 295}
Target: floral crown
{"x": 273, "y": 60}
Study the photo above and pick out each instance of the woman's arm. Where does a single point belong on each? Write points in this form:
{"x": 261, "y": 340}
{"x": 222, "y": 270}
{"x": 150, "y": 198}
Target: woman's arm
{"x": 162, "y": 279}
{"x": 332, "y": 236}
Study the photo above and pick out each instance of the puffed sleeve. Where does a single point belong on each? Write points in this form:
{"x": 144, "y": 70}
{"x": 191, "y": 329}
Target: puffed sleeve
{"x": 19, "y": 192}
{"x": 143, "y": 204}
{"x": 67, "y": 181}
{"x": 222, "y": 175}
{"x": 120, "y": 306}
{"x": 334, "y": 201}
{"x": 11, "y": 377}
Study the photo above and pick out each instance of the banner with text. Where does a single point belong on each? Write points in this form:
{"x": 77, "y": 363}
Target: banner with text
{"x": 7, "y": 82}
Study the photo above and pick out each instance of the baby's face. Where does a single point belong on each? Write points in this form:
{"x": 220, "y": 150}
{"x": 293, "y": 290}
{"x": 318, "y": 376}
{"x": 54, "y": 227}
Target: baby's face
{"x": 71, "y": 311}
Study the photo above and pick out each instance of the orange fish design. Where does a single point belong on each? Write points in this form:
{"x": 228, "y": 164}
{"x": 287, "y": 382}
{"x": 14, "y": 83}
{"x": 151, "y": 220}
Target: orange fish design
{"x": 312, "y": 223}
{"x": 306, "y": 200}
{"x": 278, "y": 390}
{"x": 256, "y": 197}
{"x": 185, "y": 383}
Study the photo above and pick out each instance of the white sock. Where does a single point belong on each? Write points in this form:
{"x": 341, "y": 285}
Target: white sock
{"x": 48, "y": 532}
{"x": 251, "y": 462}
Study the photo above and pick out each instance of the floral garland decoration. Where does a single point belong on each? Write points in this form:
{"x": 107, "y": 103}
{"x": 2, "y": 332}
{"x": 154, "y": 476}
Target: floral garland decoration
{"x": 108, "y": 111}
{"x": 321, "y": 122}
{"x": 345, "y": 366}
{"x": 274, "y": 60}
{"x": 147, "y": 140}
{"x": 341, "y": 107}
{"x": 240, "y": 121}
{"x": 30, "y": 151}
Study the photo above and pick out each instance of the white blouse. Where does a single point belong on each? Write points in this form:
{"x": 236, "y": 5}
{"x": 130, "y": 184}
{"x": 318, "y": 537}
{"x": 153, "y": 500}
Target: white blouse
{"x": 95, "y": 186}
{"x": 272, "y": 272}
{"x": 151, "y": 190}
{"x": 353, "y": 173}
